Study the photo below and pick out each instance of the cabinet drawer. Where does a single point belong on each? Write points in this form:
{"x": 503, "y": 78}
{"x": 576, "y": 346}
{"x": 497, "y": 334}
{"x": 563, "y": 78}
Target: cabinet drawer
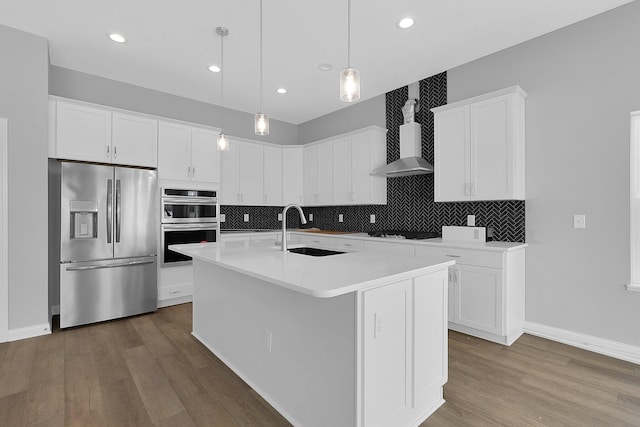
{"x": 390, "y": 247}
{"x": 479, "y": 258}
{"x": 350, "y": 244}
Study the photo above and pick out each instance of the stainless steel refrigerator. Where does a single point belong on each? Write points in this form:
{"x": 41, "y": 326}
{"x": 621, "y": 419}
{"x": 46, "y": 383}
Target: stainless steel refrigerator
{"x": 108, "y": 244}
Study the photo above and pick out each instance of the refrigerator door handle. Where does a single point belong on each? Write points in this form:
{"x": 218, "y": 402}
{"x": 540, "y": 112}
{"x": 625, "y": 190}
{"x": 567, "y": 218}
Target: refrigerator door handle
{"x": 114, "y": 265}
{"x": 118, "y": 210}
{"x": 109, "y": 210}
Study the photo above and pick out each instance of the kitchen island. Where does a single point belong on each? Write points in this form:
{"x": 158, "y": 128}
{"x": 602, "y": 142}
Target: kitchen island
{"x": 352, "y": 339}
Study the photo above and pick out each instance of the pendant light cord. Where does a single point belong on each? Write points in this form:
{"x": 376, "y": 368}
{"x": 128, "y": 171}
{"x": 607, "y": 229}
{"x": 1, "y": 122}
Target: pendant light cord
{"x": 222, "y": 72}
{"x": 348, "y": 33}
{"x": 261, "y": 56}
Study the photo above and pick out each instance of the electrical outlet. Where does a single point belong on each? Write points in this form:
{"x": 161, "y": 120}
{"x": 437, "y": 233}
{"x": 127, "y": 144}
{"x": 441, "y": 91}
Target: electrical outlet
{"x": 310, "y": 217}
{"x": 223, "y": 217}
{"x": 246, "y": 217}
{"x": 279, "y": 217}
{"x": 340, "y": 217}
{"x": 268, "y": 339}
{"x": 471, "y": 220}
{"x": 372, "y": 219}
{"x": 580, "y": 221}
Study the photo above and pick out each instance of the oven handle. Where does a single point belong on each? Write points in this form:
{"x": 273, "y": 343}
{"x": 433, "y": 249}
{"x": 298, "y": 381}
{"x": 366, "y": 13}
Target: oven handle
{"x": 208, "y": 201}
{"x": 208, "y": 226}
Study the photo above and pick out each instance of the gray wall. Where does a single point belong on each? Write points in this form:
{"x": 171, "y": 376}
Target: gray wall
{"x": 89, "y": 88}
{"x": 583, "y": 81}
{"x": 356, "y": 116}
{"x": 23, "y": 101}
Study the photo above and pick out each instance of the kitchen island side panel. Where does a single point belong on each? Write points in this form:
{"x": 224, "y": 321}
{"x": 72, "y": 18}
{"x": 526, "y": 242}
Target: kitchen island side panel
{"x": 309, "y": 376}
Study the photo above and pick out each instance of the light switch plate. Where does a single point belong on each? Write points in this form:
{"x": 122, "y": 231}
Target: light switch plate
{"x": 310, "y": 217}
{"x": 246, "y": 217}
{"x": 340, "y": 217}
{"x": 223, "y": 217}
{"x": 372, "y": 219}
{"x": 279, "y": 217}
{"x": 579, "y": 221}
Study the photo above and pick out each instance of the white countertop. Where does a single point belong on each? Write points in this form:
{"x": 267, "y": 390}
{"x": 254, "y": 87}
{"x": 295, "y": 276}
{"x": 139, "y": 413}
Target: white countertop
{"x": 321, "y": 277}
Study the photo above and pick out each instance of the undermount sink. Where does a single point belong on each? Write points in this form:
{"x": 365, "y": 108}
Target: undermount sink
{"x": 314, "y": 251}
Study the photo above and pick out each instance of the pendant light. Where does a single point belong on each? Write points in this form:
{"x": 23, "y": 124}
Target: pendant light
{"x": 349, "y": 77}
{"x": 223, "y": 141}
{"x": 261, "y": 119}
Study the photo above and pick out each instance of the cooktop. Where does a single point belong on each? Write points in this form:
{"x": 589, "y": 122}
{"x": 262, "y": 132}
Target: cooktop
{"x": 403, "y": 234}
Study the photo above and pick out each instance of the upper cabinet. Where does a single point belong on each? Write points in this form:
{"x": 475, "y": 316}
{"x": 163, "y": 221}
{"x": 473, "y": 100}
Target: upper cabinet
{"x": 273, "y": 171}
{"x": 93, "y": 134}
{"x": 242, "y": 177}
{"x": 480, "y": 146}
{"x": 292, "y": 178}
{"x": 354, "y": 157}
{"x": 318, "y": 174}
{"x": 187, "y": 153}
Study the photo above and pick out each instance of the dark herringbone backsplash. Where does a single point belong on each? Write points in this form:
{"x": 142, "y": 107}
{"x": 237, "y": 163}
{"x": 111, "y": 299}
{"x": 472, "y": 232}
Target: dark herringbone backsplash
{"x": 410, "y": 204}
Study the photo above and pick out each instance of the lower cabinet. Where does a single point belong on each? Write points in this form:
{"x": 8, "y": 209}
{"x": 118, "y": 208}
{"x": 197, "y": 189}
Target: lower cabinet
{"x": 486, "y": 291}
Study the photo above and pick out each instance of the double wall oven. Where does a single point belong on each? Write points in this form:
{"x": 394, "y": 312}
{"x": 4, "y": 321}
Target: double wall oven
{"x": 188, "y": 216}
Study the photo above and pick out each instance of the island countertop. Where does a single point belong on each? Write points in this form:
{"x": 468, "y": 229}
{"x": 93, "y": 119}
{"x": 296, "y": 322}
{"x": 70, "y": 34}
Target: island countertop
{"x": 321, "y": 277}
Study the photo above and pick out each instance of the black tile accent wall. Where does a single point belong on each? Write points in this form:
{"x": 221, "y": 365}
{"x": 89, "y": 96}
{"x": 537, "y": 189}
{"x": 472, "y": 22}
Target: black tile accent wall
{"x": 410, "y": 204}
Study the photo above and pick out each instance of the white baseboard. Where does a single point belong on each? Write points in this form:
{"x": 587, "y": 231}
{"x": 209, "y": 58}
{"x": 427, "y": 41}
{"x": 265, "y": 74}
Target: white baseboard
{"x": 28, "y": 332}
{"x": 633, "y": 287}
{"x": 610, "y": 348}
{"x": 174, "y": 301}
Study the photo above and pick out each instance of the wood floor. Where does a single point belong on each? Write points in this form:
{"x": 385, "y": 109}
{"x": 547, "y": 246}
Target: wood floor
{"x": 149, "y": 370}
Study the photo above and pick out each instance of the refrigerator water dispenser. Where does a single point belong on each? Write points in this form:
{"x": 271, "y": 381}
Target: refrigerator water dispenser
{"x": 84, "y": 219}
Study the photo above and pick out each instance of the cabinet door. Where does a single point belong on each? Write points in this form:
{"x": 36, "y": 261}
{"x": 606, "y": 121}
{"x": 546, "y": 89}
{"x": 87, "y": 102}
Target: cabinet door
{"x": 492, "y": 165}
{"x": 174, "y": 151}
{"x": 205, "y": 157}
{"x": 342, "y": 169}
{"x": 272, "y": 176}
{"x": 325, "y": 174}
{"x": 135, "y": 140}
{"x": 478, "y": 298}
{"x": 292, "y": 178}
{"x": 83, "y": 133}
{"x": 229, "y": 169}
{"x": 452, "y": 155}
{"x": 251, "y": 174}
{"x": 311, "y": 175}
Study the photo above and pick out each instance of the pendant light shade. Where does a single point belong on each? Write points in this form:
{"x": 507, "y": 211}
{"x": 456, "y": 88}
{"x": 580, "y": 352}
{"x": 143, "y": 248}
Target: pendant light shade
{"x": 223, "y": 141}
{"x": 262, "y": 124}
{"x": 349, "y": 85}
{"x": 261, "y": 119}
{"x": 349, "y": 77}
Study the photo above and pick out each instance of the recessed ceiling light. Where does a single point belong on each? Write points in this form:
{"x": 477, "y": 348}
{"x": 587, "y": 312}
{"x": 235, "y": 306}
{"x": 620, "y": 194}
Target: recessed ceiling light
{"x": 405, "y": 23}
{"x": 117, "y": 38}
{"x": 325, "y": 67}
{"x": 281, "y": 90}
{"x": 214, "y": 68}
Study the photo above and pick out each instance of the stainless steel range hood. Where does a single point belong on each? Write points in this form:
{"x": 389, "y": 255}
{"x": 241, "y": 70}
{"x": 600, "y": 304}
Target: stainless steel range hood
{"x": 410, "y": 161}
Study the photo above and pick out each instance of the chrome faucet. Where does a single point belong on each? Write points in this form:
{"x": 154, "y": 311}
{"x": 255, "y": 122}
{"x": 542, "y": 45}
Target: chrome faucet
{"x": 284, "y": 223}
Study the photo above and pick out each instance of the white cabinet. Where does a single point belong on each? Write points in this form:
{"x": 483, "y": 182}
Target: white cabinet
{"x": 486, "y": 291}
{"x": 318, "y": 172}
{"x": 273, "y": 171}
{"x": 354, "y": 157}
{"x": 292, "y": 178}
{"x": 89, "y": 133}
{"x": 242, "y": 174}
{"x": 403, "y": 325}
{"x": 312, "y": 239}
{"x": 480, "y": 146}
{"x": 187, "y": 153}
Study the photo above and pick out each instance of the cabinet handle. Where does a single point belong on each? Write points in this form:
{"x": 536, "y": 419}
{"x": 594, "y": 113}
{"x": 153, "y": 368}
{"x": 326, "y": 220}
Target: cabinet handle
{"x": 108, "y": 152}
{"x": 466, "y": 189}
{"x": 347, "y": 244}
{"x": 189, "y": 171}
{"x": 115, "y": 151}
{"x": 193, "y": 169}
{"x": 454, "y": 256}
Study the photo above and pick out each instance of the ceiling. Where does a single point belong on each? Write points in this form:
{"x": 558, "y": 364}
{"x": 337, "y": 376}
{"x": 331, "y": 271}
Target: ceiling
{"x": 171, "y": 43}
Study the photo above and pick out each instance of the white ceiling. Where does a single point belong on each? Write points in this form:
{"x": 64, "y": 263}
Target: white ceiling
{"x": 171, "y": 43}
